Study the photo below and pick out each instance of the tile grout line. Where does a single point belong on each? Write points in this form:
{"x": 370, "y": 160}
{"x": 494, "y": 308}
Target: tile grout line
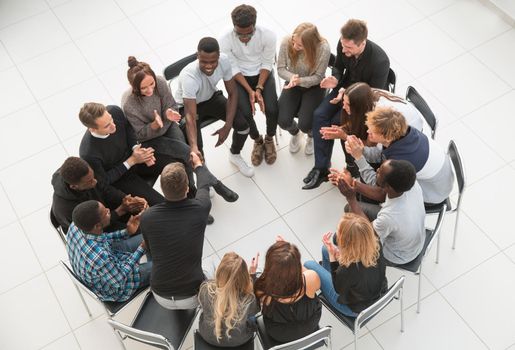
{"x": 40, "y": 265}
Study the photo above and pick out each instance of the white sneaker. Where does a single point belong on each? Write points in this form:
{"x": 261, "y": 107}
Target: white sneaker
{"x": 295, "y": 142}
{"x": 240, "y": 163}
{"x": 308, "y": 149}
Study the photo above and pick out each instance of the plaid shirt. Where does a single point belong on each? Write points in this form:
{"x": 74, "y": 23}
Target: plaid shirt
{"x": 112, "y": 275}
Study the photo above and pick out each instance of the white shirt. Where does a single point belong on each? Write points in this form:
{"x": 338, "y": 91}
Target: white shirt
{"x": 413, "y": 117}
{"x": 196, "y": 85}
{"x": 400, "y": 226}
{"x": 248, "y": 59}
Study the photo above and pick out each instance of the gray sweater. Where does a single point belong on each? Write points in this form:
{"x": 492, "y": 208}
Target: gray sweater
{"x": 286, "y": 69}
{"x": 139, "y": 110}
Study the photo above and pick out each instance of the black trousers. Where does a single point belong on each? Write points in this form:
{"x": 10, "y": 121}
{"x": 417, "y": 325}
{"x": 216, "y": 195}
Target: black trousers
{"x": 216, "y": 107}
{"x": 299, "y": 102}
{"x": 271, "y": 106}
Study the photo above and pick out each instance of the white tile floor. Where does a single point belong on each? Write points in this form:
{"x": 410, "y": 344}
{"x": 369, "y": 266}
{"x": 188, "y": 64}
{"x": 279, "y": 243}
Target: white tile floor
{"x": 57, "y": 54}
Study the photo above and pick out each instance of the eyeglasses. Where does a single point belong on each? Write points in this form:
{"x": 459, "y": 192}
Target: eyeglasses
{"x": 245, "y": 35}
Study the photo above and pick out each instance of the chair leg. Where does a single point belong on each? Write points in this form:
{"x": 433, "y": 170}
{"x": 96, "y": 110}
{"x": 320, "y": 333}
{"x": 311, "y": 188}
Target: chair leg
{"x": 356, "y": 331}
{"x": 402, "y": 309}
{"x": 83, "y": 301}
{"x": 437, "y": 249}
{"x": 419, "y": 285}
{"x": 455, "y": 228}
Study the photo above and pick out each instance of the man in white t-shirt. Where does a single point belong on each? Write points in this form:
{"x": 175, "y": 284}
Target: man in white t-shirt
{"x": 399, "y": 221}
{"x": 251, "y": 50}
{"x": 201, "y": 99}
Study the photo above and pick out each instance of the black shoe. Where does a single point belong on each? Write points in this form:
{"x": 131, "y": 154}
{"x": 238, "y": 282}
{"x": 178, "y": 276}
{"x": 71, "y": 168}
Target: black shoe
{"x": 309, "y": 176}
{"x": 319, "y": 176}
{"x": 224, "y": 191}
{"x": 210, "y": 219}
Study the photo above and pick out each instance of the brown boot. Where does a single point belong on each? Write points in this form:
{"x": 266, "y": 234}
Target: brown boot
{"x": 257, "y": 151}
{"x": 270, "y": 152}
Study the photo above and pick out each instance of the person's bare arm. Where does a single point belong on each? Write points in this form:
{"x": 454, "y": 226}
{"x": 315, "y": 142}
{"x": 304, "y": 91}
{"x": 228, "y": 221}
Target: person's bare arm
{"x": 190, "y": 113}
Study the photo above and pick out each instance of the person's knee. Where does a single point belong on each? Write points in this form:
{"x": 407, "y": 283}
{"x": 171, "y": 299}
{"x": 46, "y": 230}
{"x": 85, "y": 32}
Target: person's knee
{"x": 305, "y": 124}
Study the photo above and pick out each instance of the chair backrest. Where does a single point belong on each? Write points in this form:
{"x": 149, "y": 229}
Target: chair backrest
{"x": 76, "y": 280}
{"x": 57, "y": 227}
{"x": 154, "y": 339}
{"x": 367, "y": 314}
{"x": 457, "y": 163}
{"x": 391, "y": 81}
{"x": 173, "y": 70}
{"x": 414, "y": 97}
{"x": 308, "y": 342}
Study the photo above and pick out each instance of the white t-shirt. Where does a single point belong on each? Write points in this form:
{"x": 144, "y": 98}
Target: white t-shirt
{"x": 196, "y": 85}
{"x": 250, "y": 58}
{"x": 413, "y": 117}
{"x": 400, "y": 226}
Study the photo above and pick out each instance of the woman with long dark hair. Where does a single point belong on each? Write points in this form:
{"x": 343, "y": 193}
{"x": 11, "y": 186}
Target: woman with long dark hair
{"x": 287, "y": 292}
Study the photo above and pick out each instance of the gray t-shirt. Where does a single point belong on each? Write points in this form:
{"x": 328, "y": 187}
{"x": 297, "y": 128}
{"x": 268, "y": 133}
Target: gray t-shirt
{"x": 240, "y": 334}
{"x": 196, "y": 85}
{"x": 400, "y": 226}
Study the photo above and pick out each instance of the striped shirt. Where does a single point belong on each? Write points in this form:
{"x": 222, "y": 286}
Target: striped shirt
{"x": 112, "y": 275}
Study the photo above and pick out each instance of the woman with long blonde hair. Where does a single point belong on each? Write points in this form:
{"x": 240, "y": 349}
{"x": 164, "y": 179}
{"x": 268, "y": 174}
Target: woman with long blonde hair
{"x": 302, "y": 62}
{"x": 227, "y": 303}
{"x": 352, "y": 274}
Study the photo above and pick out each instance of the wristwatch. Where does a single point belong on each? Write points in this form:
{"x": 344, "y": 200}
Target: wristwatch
{"x": 260, "y": 87}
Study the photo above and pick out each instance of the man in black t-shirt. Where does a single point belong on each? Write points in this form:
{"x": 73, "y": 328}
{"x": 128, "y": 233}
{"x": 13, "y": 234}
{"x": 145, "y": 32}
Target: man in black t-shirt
{"x": 357, "y": 60}
{"x": 174, "y": 235}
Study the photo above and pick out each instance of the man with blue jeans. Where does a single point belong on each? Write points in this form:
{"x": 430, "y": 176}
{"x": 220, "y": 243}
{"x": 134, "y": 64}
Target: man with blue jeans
{"x": 108, "y": 263}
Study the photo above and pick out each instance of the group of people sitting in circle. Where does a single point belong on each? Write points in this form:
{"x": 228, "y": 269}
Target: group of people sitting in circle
{"x": 106, "y": 202}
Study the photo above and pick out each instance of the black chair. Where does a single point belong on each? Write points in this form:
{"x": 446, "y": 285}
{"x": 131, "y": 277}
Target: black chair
{"x": 414, "y": 97}
{"x": 391, "y": 81}
{"x": 200, "y": 344}
{"x": 315, "y": 340}
{"x": 157, "y": 326}
{"x": 111, "y": 308}
{"x": 452, "y": 151}
{"x": 58, "y": 228}
{"x": 415, "y": 266}
{"x": 172, "y": 72}
{"x": 358, "y": 322}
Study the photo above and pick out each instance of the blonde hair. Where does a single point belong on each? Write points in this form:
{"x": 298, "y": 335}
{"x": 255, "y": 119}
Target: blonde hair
{"x": 357, "y": 241}
{"x": 389, "y": 122}
{"x": 308, "y": 34}
{"x": 231, "y": 293}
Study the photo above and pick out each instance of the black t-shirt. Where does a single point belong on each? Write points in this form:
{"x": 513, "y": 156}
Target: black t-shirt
{"x": 174, "y": 234}
{"x": 359, "y": 286}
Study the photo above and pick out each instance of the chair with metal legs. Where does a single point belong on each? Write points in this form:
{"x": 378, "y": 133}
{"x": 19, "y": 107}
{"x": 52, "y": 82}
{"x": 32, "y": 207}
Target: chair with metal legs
{"x": 358, "y": 322}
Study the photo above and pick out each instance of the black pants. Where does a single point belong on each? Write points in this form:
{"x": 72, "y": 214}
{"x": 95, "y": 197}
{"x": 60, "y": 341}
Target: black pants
{"x": 216, "y": 107}
{"x": 271, "y": 107}
{"x": 299, "y": 102}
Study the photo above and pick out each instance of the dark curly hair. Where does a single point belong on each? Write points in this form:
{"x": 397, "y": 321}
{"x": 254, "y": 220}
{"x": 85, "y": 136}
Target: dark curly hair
{"x": 73, "y": 169}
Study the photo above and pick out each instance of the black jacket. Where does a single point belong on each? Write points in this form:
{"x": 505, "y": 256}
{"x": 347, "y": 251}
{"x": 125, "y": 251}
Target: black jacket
{"x": 65, "y": 199}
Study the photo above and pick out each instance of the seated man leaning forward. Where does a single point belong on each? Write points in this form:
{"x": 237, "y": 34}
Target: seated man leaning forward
{"x": 108, "y": 263}
{"x": 399, "y": 221}
{"x": 201, "y": 98}
{"x": 174, "y": 233}
{"x": 75, "y": 182}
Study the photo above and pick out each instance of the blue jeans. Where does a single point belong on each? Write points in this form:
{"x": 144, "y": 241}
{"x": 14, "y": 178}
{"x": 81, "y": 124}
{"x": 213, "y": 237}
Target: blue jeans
{"x": 130, "y": 245}
{"x": 326, "y": 114}
{"x": 326, "y": 280}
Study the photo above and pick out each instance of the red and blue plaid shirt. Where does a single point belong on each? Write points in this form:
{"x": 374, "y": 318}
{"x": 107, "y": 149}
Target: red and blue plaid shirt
{"x": 112, "y": 275}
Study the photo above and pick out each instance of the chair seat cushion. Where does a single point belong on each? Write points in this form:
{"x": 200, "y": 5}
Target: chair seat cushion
{"x": 347, "y": 320}
{"x": 435, "y": 208}
{"x": 154, "y": 318}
